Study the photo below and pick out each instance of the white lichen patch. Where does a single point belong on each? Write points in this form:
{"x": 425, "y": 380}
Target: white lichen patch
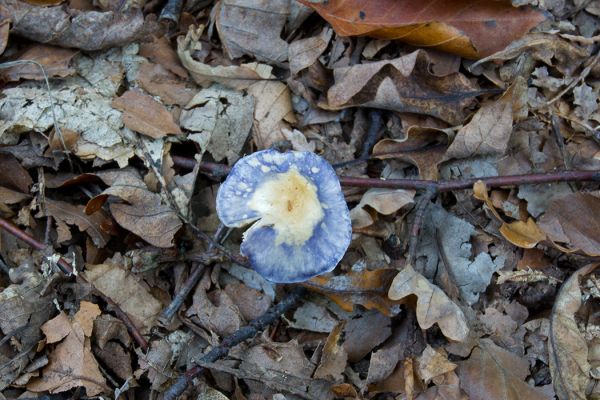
{"x": 289, "y": 203}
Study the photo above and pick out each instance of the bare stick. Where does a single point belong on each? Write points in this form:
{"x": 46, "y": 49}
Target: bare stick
{"x": 417, "y": 225}
{"x": 254, "y": 327}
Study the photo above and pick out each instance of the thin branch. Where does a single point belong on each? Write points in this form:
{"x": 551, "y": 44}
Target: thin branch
{"x": 254, "y": 327}
{"x": 220, "y": 170}
{"x": 67, "y": 269}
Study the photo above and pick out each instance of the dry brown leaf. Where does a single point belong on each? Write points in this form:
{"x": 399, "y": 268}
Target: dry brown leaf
{"x": 250, "y": 302}
{"x": 447, "y": 389}
{"x": 384, "y": 201}
{"x": 367, "y": 288}
{"x": 71, "y": 364}
{"x": 433, "y": 306}
{"x": 433, "y": 363}
{"x": 70, "y": 214}
{"x": 403, "y": 84}
{"x": 145, "y": 215}
{"x": 422, "y": 147}
{"x": 305, "y": 52}
{"x": 143, "y": 114}
{"x": 160, "y": 51}
{"x": 522, "y": 234}
{"x": 334, "y": 357}
{"x": 568, "y": 349}
{"x": 494, "y": 373}
{"x": 4, "y": 29}
{"x": 272, "y": 112}
{"x": 470, "y": 28}
{"x": 263, "y": 22}
{"x": 220, "y": 119}
{"x": 365, "y": 331}
{"x": 8, "y": 196}
{"x": 55, "y": 60}
{"x": 549, "y": 48}
{"x": 157, "y": 81}
{"x": 488, "y": 132}
{"x": 234, "y": 76}
{"x": 13, "y": 175}
{"x": 214, "y": 311}
{"x": 127, "y": 291}
{"x": 67, "y": 27}
{"x": 575, "y": 221}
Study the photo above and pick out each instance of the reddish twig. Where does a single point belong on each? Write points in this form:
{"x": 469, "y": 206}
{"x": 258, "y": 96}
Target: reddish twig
{"x": 220, "y": 170}
{"x": 67, "y": 269}
{"x": 254, "y": 327}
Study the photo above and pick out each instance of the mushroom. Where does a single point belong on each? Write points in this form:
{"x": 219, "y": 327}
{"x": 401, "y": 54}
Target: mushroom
{"x": 300, "y": 220}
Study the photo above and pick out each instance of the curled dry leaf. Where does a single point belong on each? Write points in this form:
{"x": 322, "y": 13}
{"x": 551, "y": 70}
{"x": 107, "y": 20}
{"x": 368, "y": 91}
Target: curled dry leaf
{"x": 523, "y": 234}
{"x": 433, "y": 306}
{"x": 575, "y": 221}
{"x": 470, "y": 28}
{"x": 422, "y": 147}
{"x": 263, "y": 22}
{"x": 71, "y": 364}
{"x": 433, "y": 363}
{"x": 367, "y": 288}
{"x": 66, "y": 27}
{"x": 567, "y": 347}
{"x": 158, "y": 81}
{"x": 494, "y": 373}
{"x": 234, "y": 76}
{"x": 384, "y": 201}
{"x": 403, "y": 84}
{"x": 143, "y": 114}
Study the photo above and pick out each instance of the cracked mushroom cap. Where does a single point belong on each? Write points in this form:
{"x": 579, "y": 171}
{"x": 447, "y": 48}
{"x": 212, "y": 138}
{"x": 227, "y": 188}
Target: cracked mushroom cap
{"x": 300, "y": 220}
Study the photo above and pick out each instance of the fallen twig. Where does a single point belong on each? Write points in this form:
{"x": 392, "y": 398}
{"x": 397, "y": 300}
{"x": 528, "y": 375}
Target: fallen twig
{"x": 220, "y": 170}
{"x": 255, "y": 326}
{"x": 420, "y": 212}
{"x": 67, "y": 269}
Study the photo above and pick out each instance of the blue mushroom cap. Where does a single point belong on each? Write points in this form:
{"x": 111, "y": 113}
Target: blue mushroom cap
{"x": 300, "y": 220}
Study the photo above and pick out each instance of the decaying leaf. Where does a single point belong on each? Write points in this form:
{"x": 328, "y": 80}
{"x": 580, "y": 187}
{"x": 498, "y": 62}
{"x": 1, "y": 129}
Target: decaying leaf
{"x": 433, "y": 306}
{"x": 220, "y": 120}
{"x": 489, "y": 130}
{"x": 145, "y": 215}
{"x": 71, "y": 364}
{"x": 143, "y": 114}
{"x": 233, "y": 76}
{"x": 422, "y": 147}
{"x": 522, "y": 234}
{"x": 55, "y": 61}
{"x": 494, "y": 373}
{"x": 573, "y": 220}
{"x": 367, "y": 288}
{"x": 334, "y": 357}
{"x": 158, "y": 81}
{"x": 384, "y": 201}
{"x": 402, "y": 84}
{"x": 22, "y": 313}
{"x": 263, "y": 22}
{"x": 365, "y": 331}
{"x": 567, "y": 347}
{"x": 433, "y": 363}
{"x": 70, "y": 214}
{"x": 471, "y": 272}
{"x": 305, "y": 52}
{"x": 470, "y": 28}
{"x": 127, "y": 291}
{"x": 67, "y": 27}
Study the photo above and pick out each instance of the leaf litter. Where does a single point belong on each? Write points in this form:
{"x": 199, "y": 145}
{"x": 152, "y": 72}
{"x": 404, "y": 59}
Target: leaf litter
{"x": 494, "y": 297}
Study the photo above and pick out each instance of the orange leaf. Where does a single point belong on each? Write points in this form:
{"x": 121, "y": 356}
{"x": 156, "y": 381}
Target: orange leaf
{"x": 470, "y": 28}
{"x": 523, "y": 234}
